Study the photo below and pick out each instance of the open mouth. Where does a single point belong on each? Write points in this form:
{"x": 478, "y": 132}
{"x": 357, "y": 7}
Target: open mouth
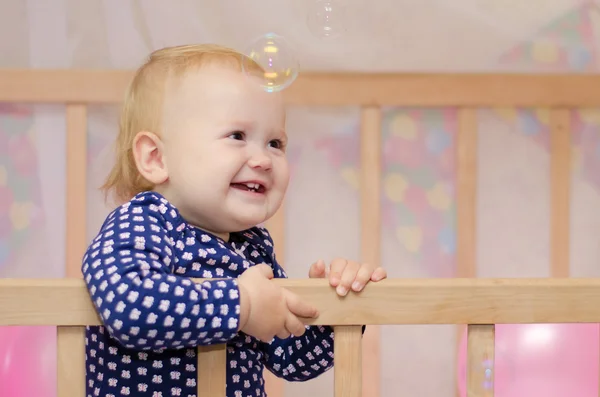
{"x": 249, "y": 186}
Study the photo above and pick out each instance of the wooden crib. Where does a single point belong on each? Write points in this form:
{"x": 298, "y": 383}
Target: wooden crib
{"x": 465, "y": 300}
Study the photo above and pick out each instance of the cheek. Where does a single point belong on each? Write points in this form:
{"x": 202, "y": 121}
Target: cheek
{"x": 186, "y": 164}
{"x": 177, "y": 160}
{"x": 283, "y": 170}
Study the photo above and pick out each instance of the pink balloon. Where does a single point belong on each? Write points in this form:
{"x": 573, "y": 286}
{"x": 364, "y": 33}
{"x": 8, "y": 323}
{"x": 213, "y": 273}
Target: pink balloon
{"x": 550, "y": 360}
{"x": 28, "y": 361}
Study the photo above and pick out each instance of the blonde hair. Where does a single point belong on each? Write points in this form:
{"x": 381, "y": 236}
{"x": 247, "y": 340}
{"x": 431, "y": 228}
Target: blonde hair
{"x": 141, "y": 109}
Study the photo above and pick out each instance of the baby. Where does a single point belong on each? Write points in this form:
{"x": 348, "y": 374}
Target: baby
{"x": 200, "y": 162}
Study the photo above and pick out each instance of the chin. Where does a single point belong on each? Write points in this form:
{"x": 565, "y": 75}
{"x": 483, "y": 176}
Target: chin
{"x": 247, "y": 222}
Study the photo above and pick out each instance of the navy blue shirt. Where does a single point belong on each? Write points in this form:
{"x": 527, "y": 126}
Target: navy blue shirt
{"x": 138, "y": 271}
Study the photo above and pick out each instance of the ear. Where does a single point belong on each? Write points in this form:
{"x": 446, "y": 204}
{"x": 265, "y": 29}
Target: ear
{"x": 149, "y": 157}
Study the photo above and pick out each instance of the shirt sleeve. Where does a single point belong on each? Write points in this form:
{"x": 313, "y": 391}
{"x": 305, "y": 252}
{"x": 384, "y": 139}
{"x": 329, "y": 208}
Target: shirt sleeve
{"x": 302, "y": 358}
{"x": 142, "y": 304}
{"x": 296, "y": 358}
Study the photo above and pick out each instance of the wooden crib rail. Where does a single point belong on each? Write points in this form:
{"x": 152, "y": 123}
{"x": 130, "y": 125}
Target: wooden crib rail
{"x": 390, "y": 302}
{"x": 90, "y": 87}
{"x": 480, "y": 303}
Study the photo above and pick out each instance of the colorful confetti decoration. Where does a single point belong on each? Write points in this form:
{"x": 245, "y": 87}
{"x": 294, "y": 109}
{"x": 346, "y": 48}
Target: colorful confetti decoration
{"x": 20, "y": 197}
{"x": 418, "y": 181}
{"x": 568, "y": 44}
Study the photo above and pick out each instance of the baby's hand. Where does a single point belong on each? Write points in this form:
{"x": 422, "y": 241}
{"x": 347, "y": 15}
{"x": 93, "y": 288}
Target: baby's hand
{"x": 346, "y": 275}
{"x": 267, "y": 310}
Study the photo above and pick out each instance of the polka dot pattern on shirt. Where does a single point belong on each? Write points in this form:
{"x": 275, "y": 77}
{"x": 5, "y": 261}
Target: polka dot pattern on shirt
{"x": 138, "y": 269}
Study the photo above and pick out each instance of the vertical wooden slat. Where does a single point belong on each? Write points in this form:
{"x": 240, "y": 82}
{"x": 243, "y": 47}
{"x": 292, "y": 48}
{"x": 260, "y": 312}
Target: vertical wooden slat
{"x": 71, "y": 367}
{"x": 70, "y": 361}
{"x": 370, "y": 238}
{"x": 480, "y": 360}
{"x": 76, "y": 188}
{"x": 212, "y": 370}
{"x": 466, "y": 200}
{"x": 275, "y": 387}
{"x": 348, "y": 361}
{"x": 560, "y": 191}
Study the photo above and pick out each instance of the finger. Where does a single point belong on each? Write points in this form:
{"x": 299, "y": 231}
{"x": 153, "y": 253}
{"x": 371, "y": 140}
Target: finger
{"x": 335, "y": 271}
{"x": 348, "y": 277}
{"x": 379, "y": 274}
{"x": 265, "y": 270}
{"x": 317, "y": 269}
{"x": 362, "y": 277}
{"x": 265, "y": 338}
{"x": 283, "y": 334}
{"x": 299, "y": 307}
{"x": 294, "y": 326}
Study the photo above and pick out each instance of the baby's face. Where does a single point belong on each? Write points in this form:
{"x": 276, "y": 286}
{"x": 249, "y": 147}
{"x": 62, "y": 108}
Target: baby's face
{"x": 224, "y": 143}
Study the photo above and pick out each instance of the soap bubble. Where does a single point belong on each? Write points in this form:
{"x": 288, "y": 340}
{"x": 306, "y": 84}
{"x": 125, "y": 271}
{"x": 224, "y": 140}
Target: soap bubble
{"x": 273, "y": 53}
{"x": 325, "y": 18}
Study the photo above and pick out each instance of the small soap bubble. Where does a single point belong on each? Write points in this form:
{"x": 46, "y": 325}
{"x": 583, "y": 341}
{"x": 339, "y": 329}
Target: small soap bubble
{"x": 273, "y": 53}
{"x": 326, "y": 18}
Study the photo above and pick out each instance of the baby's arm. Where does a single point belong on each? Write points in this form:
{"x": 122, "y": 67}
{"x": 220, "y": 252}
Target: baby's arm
{"x": 303, "y": 357}
{"x": 142, "y": 304}
{"x": 298, "y": 359}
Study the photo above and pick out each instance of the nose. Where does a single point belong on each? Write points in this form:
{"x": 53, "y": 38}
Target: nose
{"x": 259, "y": 159}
